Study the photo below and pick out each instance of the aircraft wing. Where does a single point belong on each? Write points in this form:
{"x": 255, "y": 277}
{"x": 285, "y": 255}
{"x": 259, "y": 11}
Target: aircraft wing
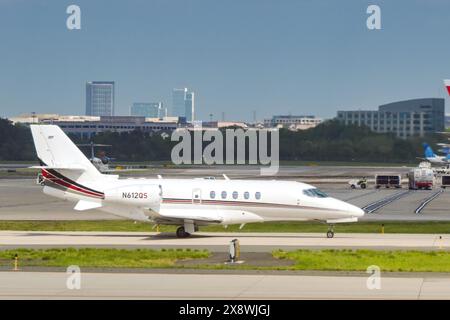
{"x": 66, "y": 167}
{"x": 120, "y": 170}
{"x": 208, "y": 216}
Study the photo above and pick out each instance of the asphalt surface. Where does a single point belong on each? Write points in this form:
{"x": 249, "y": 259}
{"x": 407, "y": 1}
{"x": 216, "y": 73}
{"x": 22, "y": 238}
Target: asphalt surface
{"x": 53, "y": 285}
{"x": 219, "y": 242}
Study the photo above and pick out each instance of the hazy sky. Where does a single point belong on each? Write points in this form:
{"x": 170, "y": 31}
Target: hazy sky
{"x": 299, "y": 57}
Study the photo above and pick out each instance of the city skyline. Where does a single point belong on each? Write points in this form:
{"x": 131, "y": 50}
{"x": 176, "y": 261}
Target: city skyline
{"x": 295, "y": 58}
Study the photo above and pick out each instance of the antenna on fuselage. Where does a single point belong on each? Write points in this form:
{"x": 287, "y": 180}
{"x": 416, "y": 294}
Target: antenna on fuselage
{"x": 225, "y": 177}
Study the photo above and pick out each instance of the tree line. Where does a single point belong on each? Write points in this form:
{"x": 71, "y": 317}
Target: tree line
{"x": 329, "y": 141}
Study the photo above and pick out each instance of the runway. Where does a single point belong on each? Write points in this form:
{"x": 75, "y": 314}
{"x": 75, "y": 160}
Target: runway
{"x": 52, "y": 285}
{"x": 219, "y": 242}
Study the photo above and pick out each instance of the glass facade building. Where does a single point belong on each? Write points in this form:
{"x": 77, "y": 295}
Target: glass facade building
{"x": 183, "y": 104}
{"x": 407, "y": 118}
{"x": 189, "y": 106}
{"x": 147, "y": 109}
{"x": 100, "y": 98}
{"x": 178, "y": 97}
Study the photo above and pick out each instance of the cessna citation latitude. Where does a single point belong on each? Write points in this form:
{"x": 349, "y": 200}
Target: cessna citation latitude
{"x": 187, "y": 203}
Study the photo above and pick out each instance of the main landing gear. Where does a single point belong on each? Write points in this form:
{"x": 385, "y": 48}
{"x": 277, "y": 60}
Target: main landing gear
{"x": 181, "y": 233}
{"x": 330, "y": 232}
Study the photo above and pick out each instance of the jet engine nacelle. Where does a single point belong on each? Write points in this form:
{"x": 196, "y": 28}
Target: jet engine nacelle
{"x": 147, "y": 196}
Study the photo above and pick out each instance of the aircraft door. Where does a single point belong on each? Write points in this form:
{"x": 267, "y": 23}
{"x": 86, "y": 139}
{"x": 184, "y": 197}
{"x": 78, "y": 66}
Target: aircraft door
{"x": 196, "y": 196}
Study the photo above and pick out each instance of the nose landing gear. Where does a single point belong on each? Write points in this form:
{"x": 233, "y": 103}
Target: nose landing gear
{"x": 330, "y": 232}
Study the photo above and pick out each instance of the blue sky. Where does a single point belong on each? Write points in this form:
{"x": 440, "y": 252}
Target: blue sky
{"x": 289, "y": 56}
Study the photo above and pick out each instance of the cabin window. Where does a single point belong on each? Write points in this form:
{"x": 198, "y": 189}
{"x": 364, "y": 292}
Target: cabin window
{"x": 235, "y": 194}
{"x": 246, "y": 195}
{"x": 212, "y": 194}
{"x": 258, "y": 195}
{"x": 224, "y": 194}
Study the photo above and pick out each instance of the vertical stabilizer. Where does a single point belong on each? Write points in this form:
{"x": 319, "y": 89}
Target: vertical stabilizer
{"x": 55, "y": 149}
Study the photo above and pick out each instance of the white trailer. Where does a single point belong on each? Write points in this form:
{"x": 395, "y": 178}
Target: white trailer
{"x": 421, "y": 178}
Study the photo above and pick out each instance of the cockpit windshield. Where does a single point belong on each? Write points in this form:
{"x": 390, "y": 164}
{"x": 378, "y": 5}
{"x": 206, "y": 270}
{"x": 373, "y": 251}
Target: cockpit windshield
{"x": 315, "y": 193}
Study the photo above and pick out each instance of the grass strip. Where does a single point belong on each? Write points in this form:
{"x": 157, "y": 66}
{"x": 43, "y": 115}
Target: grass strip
{"x": 325, "y": 260}
{"x": 360, "y": 260}
{"x": 431, "y": 227}
{"x": 100, "y": 258}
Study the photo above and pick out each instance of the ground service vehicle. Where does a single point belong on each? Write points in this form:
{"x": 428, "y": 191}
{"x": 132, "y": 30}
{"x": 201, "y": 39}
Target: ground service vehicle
{"x": 421, "y": 178}
{"x": 361, "y": 183}
{"x": 445, "y": 181}
{"x": 388, "y": 181}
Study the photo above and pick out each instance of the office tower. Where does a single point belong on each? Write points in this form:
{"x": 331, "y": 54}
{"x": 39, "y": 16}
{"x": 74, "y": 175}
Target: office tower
{"x": 183, "y": 104}
{"x": 189, "y": 106}
{"x": 147, "y": 109}
{"x": 100, "y": 98}
{"x": 178, "y": 106}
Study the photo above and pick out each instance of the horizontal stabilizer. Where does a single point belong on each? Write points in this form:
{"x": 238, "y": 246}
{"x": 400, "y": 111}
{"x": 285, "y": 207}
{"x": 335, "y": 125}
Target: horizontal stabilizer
{"x": 83, "y": 205}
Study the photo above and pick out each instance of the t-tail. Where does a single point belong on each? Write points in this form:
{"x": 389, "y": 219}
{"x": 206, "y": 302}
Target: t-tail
{"x": 65, "y": 169}
{"x": 428, "y": 151}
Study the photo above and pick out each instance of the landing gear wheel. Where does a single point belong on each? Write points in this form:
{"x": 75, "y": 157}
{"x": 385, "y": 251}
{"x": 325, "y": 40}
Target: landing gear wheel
{"x": 181, "y": 233}
{"x": 330, "y": 234}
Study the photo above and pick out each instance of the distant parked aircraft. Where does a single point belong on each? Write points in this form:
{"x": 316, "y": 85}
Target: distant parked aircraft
{"x": 430, "y": 156}
{"x": 447, "y": 85}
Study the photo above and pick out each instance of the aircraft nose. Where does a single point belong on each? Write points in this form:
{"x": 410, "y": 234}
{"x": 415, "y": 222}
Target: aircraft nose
{"x": 355, "y": 211}
{"x": 352, "y": 210}
{"x": 349, "y": 210}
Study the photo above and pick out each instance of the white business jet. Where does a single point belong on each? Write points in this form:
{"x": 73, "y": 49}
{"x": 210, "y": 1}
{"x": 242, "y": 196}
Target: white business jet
{"x": 187, "y": 203}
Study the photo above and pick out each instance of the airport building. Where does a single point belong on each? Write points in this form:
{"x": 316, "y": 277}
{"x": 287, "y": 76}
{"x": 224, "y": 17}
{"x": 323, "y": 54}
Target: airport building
{"x": 86, "y": 126}
{"x": 292, "y": 122}
{"x": 407, "y": 118}
{"x": 148, "y": 109}
{"x": 100, "y": 98}
{"x": 183, "y": 104}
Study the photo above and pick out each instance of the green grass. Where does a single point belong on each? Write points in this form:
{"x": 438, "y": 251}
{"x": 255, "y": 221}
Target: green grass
{"x": 434, "y": 227}
{"x": 106, "y": 258}
{"x": 326, "y": 260}
{"x": 359, "y": 260}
